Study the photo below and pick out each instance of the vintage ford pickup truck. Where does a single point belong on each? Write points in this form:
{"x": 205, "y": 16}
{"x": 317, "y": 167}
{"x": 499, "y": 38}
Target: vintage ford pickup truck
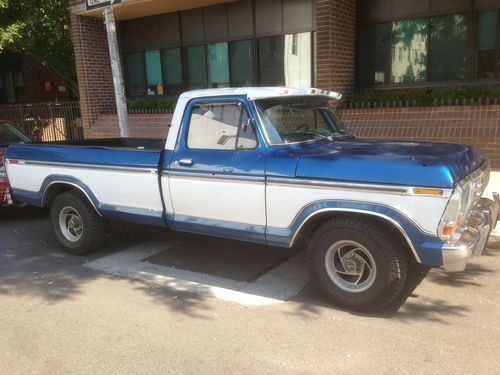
{"x": 274, "y": 166}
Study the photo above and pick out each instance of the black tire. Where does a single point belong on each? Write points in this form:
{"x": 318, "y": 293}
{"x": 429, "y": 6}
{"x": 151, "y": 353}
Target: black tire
{"x": 92, "y": 232}
{"x": 386, "y": 251}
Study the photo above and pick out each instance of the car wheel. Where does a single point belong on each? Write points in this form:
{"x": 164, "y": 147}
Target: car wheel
{"x": 77, "y": 226}
{"x": 357, "y": 264}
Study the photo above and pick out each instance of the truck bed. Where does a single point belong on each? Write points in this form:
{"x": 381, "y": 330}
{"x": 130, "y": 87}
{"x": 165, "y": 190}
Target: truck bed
{"x": 120, "y": 176}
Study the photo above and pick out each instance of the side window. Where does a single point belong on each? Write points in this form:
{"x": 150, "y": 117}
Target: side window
{"x": 222, "y": 126}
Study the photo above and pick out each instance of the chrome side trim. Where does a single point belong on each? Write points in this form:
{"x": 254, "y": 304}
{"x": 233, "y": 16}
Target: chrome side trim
{"x": 213, "y": 176}
{"x": 394, "y": 222}
{"x": 400, "y": 190}
{"x": 74, "y": 185}
{"x": 298, "y": 182}
{"x": 87, "y": 166}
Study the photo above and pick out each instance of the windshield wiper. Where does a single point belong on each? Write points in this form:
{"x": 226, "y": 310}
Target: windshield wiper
{"x": 311, "y": 132}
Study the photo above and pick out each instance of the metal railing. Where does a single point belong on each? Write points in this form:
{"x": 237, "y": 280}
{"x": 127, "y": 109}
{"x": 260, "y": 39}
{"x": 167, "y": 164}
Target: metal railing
{"x": 365, "y": 104}
{"x": 45, "y": 122}
{"x": 150, "y": 111}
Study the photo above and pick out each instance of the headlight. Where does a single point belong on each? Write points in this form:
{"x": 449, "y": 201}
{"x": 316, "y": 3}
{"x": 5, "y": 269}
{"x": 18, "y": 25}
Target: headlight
{"x": 455, "y": 211}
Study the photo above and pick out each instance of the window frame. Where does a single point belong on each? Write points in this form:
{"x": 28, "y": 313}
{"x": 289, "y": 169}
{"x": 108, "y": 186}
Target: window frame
{"x": 239, "y": 103}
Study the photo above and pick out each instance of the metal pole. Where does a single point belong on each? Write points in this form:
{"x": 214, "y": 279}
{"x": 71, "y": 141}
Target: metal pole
{"x": 121, "y": 103}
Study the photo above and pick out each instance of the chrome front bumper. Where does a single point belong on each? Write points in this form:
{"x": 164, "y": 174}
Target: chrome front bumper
{"x": 482, "y": 220}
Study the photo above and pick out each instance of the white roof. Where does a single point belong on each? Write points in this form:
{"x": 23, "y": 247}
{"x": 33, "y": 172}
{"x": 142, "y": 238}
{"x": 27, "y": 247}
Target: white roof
{"x": 260, "y": 92}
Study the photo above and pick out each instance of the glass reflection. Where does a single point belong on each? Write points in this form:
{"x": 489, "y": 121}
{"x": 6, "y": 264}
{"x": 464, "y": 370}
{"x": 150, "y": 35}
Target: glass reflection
{"x": 409, "y": 50}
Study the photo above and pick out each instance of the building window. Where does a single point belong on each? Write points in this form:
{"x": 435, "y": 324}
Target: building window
{"x": 463, "y": 45}
{"x": 448, "y": 48}
{"x": 218, "y": 65}
{"x": 421, "y": 49}
{"x": 271, "y": 61}
{"x": 241, "y": 63}
{"x": 196, "y": 64}
{"x": 409, "y": 38}
{"x": 172, "y": 71}
{"x": 280, "y": 66}
{"x": 375, "y": 55}
{"x": 135, "y": 74}
{"x": 154, "y": 76}
{"x": 487, "y": 49}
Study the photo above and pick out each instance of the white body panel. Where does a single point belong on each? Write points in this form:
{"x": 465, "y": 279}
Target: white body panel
{"x": 111, "y": 187}
{"x": 284, "y": 203}
{"x": 226, "y": 200}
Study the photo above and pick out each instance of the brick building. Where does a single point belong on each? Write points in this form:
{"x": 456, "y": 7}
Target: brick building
{"x": 25, "y": 80}
{"x": 168, "y": 46}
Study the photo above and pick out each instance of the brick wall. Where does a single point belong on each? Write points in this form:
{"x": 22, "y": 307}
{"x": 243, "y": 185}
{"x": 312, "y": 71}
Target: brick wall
{"x": 335, "y": 43}
{"x": 93, "y": 67}
{"x": 140, "y": 126}
{"x": 475, "y": 125}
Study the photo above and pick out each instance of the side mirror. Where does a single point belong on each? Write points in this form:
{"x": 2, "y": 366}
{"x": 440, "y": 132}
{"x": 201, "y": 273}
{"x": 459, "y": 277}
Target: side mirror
{"x": 247, "y": 124}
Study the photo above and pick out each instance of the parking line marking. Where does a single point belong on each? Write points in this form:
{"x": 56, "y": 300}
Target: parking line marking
{"x": 276, "y": 286}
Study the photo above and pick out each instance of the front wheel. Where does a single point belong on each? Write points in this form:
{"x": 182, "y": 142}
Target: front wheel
{"x": 357, "y": 264}
{"x": 76, "y": 224}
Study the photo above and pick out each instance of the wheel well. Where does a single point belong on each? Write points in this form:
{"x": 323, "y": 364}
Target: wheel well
{"x": 57, "y": 189}
{"x": 313, "y": 223}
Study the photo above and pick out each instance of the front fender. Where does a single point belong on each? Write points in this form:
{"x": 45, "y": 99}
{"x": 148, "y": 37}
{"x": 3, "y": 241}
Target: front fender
{"x": 425, "y": 247}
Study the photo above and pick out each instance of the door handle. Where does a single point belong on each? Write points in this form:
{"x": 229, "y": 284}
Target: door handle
{"x": 186, "y": 162}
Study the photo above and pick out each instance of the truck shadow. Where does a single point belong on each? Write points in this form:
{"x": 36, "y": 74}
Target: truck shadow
{"x": 32, "y": 264}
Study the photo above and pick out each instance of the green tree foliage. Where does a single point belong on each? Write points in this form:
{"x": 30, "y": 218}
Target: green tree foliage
{"x": 40, "y": 28}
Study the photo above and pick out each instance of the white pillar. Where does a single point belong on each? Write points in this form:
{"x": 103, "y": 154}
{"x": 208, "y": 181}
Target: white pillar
{"x": 116, "y": 68}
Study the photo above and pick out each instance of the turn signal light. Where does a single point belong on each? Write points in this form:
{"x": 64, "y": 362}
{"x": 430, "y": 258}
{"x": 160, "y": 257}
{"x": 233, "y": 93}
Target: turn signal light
{"x": 425, "y": 191}
{"x": 449, "y": 230}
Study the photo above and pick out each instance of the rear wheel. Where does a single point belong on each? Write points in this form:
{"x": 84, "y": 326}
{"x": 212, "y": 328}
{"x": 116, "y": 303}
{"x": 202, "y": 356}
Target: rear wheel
{"x": 76, "y": 224}
{"x": 357, "y": 264}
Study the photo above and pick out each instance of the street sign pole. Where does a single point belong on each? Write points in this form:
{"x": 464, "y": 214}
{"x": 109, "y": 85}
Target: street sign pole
{"x": 121, "y": 103}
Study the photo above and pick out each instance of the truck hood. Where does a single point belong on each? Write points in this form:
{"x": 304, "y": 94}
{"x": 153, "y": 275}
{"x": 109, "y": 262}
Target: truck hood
{"x": 426, "y": 164}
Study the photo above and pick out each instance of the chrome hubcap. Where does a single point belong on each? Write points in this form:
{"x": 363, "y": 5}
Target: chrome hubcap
{"x": 350, "y": 266}
{"x": 71, "y": 224}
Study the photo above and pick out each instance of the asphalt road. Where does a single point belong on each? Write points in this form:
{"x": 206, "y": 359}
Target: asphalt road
{"x": 57, "y": 317}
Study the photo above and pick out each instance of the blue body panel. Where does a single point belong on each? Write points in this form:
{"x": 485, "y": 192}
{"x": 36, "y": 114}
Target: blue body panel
{"x": 109, "y": 156}
{"x": 426, "y": 164}
{"x": 219, "y": 228}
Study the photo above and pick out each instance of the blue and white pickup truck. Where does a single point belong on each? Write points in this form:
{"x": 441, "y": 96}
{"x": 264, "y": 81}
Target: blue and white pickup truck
{"x": 273, "y": 166}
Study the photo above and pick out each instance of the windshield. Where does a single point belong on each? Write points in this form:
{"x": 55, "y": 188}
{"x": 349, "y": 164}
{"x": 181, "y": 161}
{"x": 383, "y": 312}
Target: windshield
{"x": 9, "y": 134}
{"x": 299, "y": 119}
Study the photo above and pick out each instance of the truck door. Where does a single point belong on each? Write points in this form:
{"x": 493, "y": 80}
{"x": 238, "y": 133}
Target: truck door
{"x": 216, "y": 175}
